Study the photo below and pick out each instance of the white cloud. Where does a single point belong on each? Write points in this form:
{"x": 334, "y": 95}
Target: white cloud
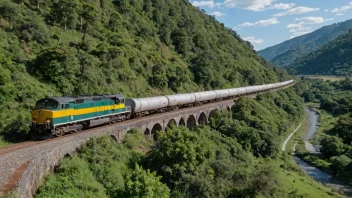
{"x": 297, "y": 10}
{"x": 335, "y": 10}
{"x": 282, "y": 6}
{"x": 254, "y": 5}
{"x": 295, "y": 34}
{"x": 312, "y": 20}
{"x": 342, "y": 11}
{"x": 298, "y": 29}
{"x": 263, "y": 23}
{"x": 209, "y": 4}
{"x": 307, "y": 20}
{"x": 327, "y": 10}
{"x": 253, "y": 40}
{"x": 218, "y": 14}
{"x": 294, "y": 25}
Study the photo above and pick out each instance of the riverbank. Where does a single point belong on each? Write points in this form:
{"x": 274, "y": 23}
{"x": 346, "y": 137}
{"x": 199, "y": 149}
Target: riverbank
{"x": 313, "y": 159}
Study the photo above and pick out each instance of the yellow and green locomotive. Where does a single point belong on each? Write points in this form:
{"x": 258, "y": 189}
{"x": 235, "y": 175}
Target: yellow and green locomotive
{"x": 59, "y": 115}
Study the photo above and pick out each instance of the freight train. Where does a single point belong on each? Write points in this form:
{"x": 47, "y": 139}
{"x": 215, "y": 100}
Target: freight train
{"x": 57, "y": 116}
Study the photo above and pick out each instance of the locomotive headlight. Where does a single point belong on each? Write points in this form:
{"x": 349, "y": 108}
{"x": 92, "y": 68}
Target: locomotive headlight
{"x": 47, "y": 120}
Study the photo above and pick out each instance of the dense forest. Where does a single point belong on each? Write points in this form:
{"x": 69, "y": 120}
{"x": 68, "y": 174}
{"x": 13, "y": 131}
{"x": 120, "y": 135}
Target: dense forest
{"x": 286, "y": 53}
{"x": 134, "y": 47}
{"x": 333, "y": 58}
{"x": 237, "y": 155}
{"x": 335, "y": 99}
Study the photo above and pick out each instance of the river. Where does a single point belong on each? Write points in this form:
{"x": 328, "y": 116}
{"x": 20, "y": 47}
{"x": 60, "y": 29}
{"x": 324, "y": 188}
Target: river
{"x": 317, "y": 174}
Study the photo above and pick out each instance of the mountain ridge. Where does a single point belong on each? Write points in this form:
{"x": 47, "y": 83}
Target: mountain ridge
{"x": 285, "y": 53}
{"x": 333, "y": 58}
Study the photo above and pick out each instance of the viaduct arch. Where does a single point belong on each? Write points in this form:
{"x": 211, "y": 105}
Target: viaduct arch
{"x": 46, "y": 155}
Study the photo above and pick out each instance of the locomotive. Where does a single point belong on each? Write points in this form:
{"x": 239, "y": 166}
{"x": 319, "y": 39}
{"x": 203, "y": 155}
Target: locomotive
{"x": 57, "y": 116}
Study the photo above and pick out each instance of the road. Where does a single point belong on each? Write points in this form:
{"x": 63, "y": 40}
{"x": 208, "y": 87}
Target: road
{"x": 289, "y": 137}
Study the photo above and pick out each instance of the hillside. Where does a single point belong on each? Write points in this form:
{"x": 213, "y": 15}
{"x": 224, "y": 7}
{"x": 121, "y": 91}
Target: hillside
{"x": 333, "y": 58}
{"x": 287, "y": 52}
{"x": 134, "y": 47}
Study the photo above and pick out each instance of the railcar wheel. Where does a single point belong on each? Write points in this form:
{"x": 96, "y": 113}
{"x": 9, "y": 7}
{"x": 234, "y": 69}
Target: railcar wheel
{"x": 59, "y": 132}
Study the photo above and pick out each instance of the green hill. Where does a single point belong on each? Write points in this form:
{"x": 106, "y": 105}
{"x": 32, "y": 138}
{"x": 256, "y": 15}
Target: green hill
{"x": 287, "y": 52}
{"x": 134, "y": 47}
{"x": 334, "y": 58}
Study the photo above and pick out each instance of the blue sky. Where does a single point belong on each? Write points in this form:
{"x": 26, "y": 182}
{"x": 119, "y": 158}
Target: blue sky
{"x": 269, "y": 22}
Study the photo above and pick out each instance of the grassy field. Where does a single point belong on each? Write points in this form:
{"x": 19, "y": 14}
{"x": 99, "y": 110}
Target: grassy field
{"x": 301, "y": 184}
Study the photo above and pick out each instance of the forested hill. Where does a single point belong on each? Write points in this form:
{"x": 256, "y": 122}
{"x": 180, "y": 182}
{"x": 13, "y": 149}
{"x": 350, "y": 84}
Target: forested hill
{"x": 334, "y": 58}
{"x": 135, "y": 47}
{"x": 287, "y": 52}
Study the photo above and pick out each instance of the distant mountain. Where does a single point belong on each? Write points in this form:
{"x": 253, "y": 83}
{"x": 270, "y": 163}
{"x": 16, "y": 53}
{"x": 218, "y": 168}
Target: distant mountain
{"x": 334, "y": 58}
{"x": 287, "y": 52}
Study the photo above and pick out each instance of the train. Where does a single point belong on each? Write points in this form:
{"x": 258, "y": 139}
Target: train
{"x": 57, "y": 116}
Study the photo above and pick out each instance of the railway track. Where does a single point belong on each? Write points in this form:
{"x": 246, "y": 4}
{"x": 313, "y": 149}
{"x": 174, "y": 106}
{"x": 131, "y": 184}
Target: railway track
{"x": 14, "y": 159}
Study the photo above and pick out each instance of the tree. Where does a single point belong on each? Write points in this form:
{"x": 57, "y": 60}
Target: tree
{"x": 178, "y": 151}
{"x": 89, "y": 16}
{"x": 343, "y": 129}
{"x": 339, "y": 163}
{"x": 59, "y": 67}
{"x": 331, "y": 146}
{"x": 9, "y": 11}
{"x": 158, "y": 78}
{"x": 145, "y": 184}
{"x": 65, "y": 12}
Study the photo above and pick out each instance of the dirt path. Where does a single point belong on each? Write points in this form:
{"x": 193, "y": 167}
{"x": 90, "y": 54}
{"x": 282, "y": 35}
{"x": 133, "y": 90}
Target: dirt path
{"x": 289, "y": 137}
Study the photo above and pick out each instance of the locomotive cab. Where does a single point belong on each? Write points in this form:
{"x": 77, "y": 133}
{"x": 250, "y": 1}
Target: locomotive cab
{"x": 42, "y": 115}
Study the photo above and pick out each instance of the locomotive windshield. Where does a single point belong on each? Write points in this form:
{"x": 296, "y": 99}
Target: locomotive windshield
{"x": 46, "y": 104}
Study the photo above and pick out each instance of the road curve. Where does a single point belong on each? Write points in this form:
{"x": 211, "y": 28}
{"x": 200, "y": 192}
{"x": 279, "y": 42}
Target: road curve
{"x": 289, "y": 137}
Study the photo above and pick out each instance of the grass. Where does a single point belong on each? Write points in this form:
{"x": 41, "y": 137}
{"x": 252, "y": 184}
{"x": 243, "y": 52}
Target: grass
{"x": 3, "y": 142}
{"x": 300, "y": 184}
{"x": 325, "y": 123}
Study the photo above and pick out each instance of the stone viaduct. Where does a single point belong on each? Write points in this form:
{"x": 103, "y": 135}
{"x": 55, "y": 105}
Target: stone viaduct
{"x": 38, "y": 160}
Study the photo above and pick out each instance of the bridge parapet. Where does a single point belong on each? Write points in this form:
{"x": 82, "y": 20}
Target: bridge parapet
{"x": 43, "y": 157}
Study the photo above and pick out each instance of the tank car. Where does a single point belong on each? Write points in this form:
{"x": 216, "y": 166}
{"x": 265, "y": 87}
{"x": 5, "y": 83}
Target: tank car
{"x": 180, "y": 100}
{"x": 249, "y": 90}
{"x": 233, "y": 92}
{"x": 205, "y": 96}
{"x": 145, "y": 106}
{"x": 222, "y": 94}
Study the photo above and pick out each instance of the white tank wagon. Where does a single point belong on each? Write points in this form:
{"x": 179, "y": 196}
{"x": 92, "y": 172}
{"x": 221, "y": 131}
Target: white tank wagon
{"x": 242, "y": 91}
{"x": 145, "y": 106}
{"x": 256, "y": 89}
{"x": 249, "y": 90}
{"x": 205, "y": 96}
{"x": 222, "y": 94}
{"x": 179, "y": 100}
{"x": 262, "y": 87}
{"x": 233, "y": 92}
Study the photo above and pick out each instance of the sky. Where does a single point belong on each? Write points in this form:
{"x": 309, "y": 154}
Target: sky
{"x": 265, "y": 23}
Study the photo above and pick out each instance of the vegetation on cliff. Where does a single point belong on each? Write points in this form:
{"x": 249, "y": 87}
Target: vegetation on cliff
{"x": 134, "y": 47}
